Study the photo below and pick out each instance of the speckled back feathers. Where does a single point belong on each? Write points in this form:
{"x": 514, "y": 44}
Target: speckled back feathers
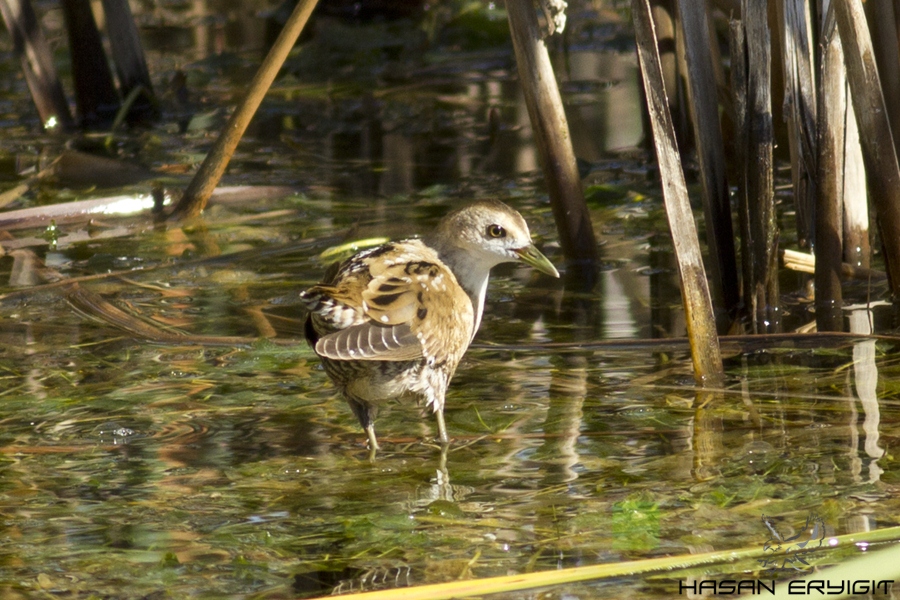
{"x": 394, "y": 302}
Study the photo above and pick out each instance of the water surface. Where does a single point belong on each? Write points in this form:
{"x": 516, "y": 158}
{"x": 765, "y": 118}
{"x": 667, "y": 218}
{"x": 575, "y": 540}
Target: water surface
{"x": 138, "y": 469}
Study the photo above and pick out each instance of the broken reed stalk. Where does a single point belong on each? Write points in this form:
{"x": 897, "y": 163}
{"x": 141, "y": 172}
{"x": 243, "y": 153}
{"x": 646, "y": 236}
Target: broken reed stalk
{"x": 738, "y": 51}
{"x": 37, "y": 63}
{"x": 761, "y": 295}
{"x": 832, "y": 98}
{"x": 96, "y": 98}
{"x": 875, "y": 131}
{"x": 665, "y": 30}
{"x": 806, "y": 263}
{"x": 882, "y": 18}
{"x": 800, "y": 110}
{"x": 703, "y": 104}
{"x": 207, "y": 177}
{"x": 682, "y": 116}
{"x": 701, "y": 326}
{"x": 128, "y": 57}
{"x": 857, "y": 247}
{"x": 551, "y": 132}
{"x": 671, "y": 56}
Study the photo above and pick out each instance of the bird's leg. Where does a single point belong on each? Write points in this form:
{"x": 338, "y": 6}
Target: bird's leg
{"x": 442, "y": 427}
{"x": 366, "y": 414}
{"x": 373, "y": 441}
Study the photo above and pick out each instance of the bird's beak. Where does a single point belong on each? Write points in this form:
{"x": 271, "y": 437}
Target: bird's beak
{"x": 532, "y": 256}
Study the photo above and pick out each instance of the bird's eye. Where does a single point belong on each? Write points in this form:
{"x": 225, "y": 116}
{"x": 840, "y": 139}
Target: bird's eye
{"x": 495, "y": 231}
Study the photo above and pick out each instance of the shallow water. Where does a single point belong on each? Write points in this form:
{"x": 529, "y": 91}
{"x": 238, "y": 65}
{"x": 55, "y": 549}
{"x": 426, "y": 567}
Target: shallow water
{"x": 235, "y": 471}
{"x": 137, "y": 469}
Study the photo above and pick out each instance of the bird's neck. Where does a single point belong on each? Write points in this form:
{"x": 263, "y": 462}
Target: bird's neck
{"x": 471, "y": 274}
{"x": 476, "y": 289}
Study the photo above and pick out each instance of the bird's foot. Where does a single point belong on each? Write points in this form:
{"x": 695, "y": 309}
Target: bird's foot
{"x": 373, "y": 441}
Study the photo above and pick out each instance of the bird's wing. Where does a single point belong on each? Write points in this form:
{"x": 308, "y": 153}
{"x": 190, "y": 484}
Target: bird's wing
{"x": 411, "y": 307}
{"x": 370, "y": 341}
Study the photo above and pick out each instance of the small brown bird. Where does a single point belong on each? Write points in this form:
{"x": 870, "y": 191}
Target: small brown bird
{"x": 395, "y": 320}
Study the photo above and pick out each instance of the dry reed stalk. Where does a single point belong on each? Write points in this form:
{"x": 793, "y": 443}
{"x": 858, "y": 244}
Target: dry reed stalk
{"x": 761, "y": 295}
{"x": 878, "y": 149}
{"x": 207, "y": 177}
{"x": 701, "y": 326}
{"x": 703, "y": 104}
{"x": 551, "y": 133}
{"x": 31, "y": 47}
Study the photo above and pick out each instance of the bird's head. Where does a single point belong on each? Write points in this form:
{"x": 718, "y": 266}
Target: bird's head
{"x": 489, "y": 233}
